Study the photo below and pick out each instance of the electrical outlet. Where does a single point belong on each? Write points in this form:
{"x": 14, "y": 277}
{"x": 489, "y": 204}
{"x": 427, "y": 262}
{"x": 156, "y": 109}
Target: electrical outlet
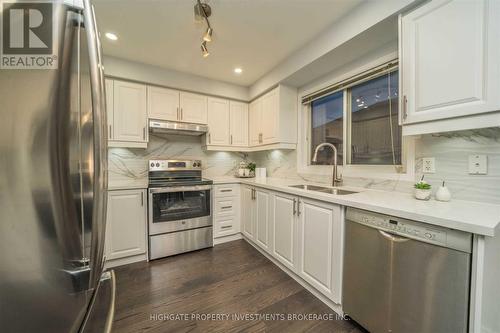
{"x": 478, "y": 164}
{"x": 428, "y": 165}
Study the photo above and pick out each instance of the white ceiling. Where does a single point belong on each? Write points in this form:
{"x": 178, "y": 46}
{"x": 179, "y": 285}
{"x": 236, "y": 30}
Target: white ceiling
{"x": 255, "y": 35}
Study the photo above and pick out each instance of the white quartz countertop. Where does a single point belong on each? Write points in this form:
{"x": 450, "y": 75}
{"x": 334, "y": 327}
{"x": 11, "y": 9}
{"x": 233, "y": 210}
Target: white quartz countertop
{"x": 474, "y": 217}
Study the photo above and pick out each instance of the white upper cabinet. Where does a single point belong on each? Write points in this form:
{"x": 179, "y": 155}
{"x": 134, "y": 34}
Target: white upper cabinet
{"x": 255, "y": 122}
{"x": 125, "y": 224}
{"x": 193, "y": 108}
{"x": 238, "y": 124}
{"x": 109, "y": 106}
{"x": 450, "y": 65}
{"x": 163, "y": 104}
{"x": 129, "y": 125}
{"x": 218, "y": 122}
{"x": 273, "y": 119}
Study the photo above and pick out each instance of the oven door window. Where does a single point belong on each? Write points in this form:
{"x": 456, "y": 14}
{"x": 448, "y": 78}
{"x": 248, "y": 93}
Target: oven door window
{"x": 173, "y": 206}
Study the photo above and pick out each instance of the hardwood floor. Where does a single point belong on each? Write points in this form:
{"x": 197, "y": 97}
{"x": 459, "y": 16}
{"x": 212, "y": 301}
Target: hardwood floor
{"x": 229, "y": 279}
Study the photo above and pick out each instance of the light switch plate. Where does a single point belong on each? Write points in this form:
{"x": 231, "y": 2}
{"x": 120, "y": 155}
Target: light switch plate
{"x": 478, "y": 164}
{"x": 428, "y": 165}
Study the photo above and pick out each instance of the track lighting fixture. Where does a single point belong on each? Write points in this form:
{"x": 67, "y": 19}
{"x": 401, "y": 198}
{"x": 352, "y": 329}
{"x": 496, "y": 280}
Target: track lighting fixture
{"x": 202, "y": 11}
{"x": 204, "y": 50}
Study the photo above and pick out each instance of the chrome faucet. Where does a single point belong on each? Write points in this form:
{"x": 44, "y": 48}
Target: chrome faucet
{"x": 336, "y": 180}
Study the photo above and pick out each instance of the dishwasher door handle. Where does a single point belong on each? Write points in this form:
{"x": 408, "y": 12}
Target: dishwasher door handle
{"x": 392, "y": 237}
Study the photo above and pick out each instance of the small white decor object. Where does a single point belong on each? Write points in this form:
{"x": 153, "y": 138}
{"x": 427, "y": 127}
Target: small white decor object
{"x": 245, "y": 170}
{"x": 443, "y": 193}
{"x": 260, "y": 173}
{"x": 422, "y": 190}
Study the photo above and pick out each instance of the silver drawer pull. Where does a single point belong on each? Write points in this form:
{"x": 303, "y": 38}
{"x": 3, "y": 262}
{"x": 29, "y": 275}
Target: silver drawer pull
{"x": 226, "y": 207}
{"x": 226, "y": 190}
{"x": 226, "y": 226}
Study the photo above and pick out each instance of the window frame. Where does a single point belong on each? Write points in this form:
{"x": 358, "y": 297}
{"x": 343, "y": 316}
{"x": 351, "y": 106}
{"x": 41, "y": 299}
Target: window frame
{"x": 404, "y": 172}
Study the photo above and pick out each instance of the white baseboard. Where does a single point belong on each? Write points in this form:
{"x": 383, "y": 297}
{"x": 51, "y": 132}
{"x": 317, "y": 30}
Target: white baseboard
{"x": 332, "y": 305}
{"x": 225, "y": 239}
{"x": 125, "y": 261}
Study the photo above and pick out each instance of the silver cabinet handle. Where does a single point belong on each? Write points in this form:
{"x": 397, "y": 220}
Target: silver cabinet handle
{"x": 142, "y": 199}
{"x": 298, "y": 208}
{"x": 209, "y": 138}
{"x": 144, "y": 133}
{"x": 405, "y": 108}
{"x": 226, "y": 226}
{"x": 226, "y": 207}
{"x": 182, "y": 116}
{"x": 100, "y": 143}
{"x": 231, "y": 139}
{"x": 229, "y": 190}
{"x": 110, "y": 132}
{"x": 294, "y": 206}
{"x": 260, "y": 137}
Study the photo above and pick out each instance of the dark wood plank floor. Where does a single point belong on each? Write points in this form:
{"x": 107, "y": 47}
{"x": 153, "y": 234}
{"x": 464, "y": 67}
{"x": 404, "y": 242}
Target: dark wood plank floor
{"x": 231, "y": 278}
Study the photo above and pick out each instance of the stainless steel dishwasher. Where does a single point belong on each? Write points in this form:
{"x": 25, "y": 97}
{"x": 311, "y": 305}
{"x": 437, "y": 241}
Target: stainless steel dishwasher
{"x": 404, "y": 276}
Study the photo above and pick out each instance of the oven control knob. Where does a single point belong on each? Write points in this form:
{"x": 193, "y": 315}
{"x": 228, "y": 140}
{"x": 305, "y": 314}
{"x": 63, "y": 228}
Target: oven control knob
{"x": 157, "y": 165}
{"x": 152, "y": 165}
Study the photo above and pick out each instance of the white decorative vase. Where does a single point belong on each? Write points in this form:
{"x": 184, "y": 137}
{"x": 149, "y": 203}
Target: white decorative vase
{"x": 421, "y": 194}
{"x": 443, "y": 194}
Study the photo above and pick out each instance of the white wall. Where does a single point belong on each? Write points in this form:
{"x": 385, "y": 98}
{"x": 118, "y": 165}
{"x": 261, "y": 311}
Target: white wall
{"x": 135, "y": 71}
{"x": 360, "y": 19}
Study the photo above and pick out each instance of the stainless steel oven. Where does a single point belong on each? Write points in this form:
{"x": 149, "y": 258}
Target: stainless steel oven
{"x": 179, "y": 201}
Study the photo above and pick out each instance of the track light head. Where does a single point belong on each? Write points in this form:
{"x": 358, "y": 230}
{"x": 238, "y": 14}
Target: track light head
{"x": 208, "y": 35}
{"x": 204, "y": 50}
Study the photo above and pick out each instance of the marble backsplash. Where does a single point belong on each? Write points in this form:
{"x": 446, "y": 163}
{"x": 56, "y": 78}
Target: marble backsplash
{"x": 128, "y": 167}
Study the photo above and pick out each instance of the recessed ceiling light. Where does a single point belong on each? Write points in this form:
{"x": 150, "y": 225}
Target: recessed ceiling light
{"x": 238, "y": 70}
{"x": 111, "y": 36}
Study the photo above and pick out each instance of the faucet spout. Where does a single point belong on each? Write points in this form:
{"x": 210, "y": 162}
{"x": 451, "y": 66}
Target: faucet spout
{"x": 336, "y": 180}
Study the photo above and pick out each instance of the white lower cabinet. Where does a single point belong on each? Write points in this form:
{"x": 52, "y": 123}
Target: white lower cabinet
{"x": 320, "y": 246}
{"x": 262, "y": 217}
{"x": 302, "y": 234}
{"x": 285, "y": 229}
{"x": 226, "y": 210}
{"x": 126, "y": 224}
{"x": 248, "y": 212}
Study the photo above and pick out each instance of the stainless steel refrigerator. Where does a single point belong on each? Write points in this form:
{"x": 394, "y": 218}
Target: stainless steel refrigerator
{"x": 53, "y": 185}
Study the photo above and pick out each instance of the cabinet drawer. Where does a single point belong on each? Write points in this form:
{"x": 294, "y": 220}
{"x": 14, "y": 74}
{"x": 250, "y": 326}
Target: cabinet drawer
{"x": 225, "y": 226}
{"x": 226, "y": 206}
{"x": 226, "y": 190}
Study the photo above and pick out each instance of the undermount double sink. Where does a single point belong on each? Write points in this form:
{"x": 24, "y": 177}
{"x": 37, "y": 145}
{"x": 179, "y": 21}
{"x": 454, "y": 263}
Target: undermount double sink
{"x": 330, "y": 190}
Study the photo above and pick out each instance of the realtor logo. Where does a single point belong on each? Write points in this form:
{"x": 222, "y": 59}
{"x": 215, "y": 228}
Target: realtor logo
{"x": 27, "y": 32}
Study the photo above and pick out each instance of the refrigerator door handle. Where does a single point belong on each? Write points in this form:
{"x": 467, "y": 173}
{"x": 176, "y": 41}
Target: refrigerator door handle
{"x": 100, "y": 143}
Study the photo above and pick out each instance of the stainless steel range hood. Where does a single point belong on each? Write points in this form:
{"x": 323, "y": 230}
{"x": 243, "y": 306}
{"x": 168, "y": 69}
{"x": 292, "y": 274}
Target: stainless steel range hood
{"x": 173, "y": 127}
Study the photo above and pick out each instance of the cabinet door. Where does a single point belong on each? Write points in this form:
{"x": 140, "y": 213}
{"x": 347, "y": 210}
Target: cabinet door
{"x": 218, "y": 122}
{"x": 262, "y": 218}
{"x": 255, "y": 122}
{"x": 193, "y": 108}
{"x": 320, "y": 246}
{"x": 163, "y": 103}
{"x": 126, "y": 224}
{"x": 129, "y": 112}
{"x": 238, "y": 124}
{"x": 285, "y": 229}
{"x": 450, "y": 60}
{"x": 248, "y": 212}
{"x": 109, "y": 106}
{"x": 270, "y": 117}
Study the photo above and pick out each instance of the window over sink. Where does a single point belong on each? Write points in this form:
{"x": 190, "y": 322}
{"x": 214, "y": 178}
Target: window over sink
{"x": 360, "y": 119}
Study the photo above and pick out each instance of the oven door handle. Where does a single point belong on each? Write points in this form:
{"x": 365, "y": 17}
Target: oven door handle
{"x": 180, "y": 189}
